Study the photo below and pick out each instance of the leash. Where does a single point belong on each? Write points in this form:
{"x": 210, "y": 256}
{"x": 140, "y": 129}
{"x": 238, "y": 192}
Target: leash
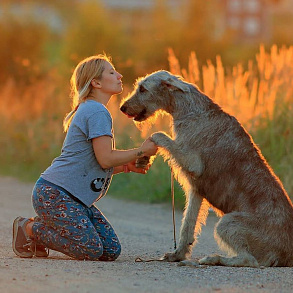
{"x": 139, "y": 259}
{"x": 173, "y": 208}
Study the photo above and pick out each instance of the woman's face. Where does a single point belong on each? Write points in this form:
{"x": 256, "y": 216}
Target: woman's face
{"x": 111, "y": 80}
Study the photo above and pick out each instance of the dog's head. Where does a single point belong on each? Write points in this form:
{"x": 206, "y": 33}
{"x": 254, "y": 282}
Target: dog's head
{"x": 152, "y": 93}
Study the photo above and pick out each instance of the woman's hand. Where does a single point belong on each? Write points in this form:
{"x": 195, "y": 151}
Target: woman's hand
{"x": 148, "y": 148}
{"x": 131, "y": 167}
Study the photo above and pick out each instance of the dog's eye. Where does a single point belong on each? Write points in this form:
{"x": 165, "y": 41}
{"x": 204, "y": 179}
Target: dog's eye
{"x": 142, "y": 89}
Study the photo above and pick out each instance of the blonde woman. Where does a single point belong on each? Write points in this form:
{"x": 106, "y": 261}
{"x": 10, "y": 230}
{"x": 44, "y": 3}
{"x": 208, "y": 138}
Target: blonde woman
{"x": 63, "y": 197}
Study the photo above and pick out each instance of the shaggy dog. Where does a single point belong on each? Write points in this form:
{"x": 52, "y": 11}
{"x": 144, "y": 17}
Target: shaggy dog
{"x": 219, "y": 166}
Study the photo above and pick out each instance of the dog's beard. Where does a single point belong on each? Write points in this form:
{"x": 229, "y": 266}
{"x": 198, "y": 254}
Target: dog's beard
{"x": 149, "y": 121}
{"x": 141, "y": 116}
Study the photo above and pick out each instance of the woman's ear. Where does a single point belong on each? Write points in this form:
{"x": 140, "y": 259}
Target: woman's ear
{"x": 95, "y": 83}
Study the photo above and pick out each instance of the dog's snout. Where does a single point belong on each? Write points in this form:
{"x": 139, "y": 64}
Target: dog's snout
{"x": 123, "y": 108}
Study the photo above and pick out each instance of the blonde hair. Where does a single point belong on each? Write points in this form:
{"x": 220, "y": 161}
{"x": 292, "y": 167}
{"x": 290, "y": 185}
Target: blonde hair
{"x": 86, "y": 70}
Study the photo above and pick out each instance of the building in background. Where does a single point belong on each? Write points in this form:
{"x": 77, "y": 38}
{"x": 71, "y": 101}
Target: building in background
{"x": 249, "y": 20}
{"x": 141, "y": 4}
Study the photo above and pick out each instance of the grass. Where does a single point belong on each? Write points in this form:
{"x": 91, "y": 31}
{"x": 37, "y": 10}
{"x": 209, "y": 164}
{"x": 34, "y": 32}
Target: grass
{"x": 259, "y": 94}
{"x": 274, "y": 136}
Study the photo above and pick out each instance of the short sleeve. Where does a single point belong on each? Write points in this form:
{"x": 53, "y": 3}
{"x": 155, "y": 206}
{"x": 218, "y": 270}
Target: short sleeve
{"x": 99, "y": 124}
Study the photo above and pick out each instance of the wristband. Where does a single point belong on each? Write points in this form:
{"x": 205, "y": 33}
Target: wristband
{"x": 125, "y": 169}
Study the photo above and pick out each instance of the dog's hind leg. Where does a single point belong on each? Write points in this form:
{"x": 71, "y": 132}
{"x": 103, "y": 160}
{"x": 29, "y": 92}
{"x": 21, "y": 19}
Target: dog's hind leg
{"x": 241, "y": 260}
{"x": 194, "y": 216}
{"x": 234, "y": 232}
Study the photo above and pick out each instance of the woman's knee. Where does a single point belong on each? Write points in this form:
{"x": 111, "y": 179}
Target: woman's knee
{"x": 90, "y": 251}
{"x": 98, "y": 250}
{"x": 112, "y": 253}
{"x": 116, "y": 251}
{"x": 101, "y": 253}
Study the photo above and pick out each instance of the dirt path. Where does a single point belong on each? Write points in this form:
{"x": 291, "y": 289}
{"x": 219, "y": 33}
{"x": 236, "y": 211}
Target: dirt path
{"x": 145, "y": 231}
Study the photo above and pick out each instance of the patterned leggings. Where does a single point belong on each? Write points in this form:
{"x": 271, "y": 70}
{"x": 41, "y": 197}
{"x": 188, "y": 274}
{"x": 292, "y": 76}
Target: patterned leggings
{"x": 66, "y": 225}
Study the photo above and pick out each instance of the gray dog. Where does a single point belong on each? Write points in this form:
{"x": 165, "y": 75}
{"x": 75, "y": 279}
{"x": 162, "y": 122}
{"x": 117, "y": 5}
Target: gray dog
{"x": 219, "y": 166}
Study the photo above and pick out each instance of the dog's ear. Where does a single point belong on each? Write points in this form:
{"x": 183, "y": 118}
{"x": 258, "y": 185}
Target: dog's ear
{"x": 174, "y": 83}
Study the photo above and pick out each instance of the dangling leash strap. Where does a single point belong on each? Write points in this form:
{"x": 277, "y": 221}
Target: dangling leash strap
{"x": 139, "y": 259}
{"x": 173, "y": 209}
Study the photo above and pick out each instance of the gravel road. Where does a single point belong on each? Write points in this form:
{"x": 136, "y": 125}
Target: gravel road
{"x": 145, "y": 231}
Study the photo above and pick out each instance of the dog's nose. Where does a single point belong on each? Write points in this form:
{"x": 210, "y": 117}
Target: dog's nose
{"x": 123, "y": 109}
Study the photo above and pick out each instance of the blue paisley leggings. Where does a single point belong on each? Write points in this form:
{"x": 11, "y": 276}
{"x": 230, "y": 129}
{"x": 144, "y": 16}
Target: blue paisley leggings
{"x": 66, "y": 225}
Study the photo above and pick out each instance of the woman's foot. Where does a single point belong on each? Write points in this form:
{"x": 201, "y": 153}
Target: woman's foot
{"x": 41, "y": 251}
{"x": 22, "y": 244}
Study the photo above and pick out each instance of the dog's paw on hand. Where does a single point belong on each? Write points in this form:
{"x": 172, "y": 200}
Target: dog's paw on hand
{"x": 171, "y": 257}
{"x": 159, "y": 138}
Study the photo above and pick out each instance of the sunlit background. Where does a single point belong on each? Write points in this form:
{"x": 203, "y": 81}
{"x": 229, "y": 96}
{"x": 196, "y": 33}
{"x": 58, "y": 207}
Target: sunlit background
{"x": 239, "y": 52}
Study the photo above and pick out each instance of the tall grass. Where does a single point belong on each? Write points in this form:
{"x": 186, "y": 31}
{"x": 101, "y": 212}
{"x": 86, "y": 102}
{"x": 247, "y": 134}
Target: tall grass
{"x": 259, "y": 94}
{"x": 248, "y": 92}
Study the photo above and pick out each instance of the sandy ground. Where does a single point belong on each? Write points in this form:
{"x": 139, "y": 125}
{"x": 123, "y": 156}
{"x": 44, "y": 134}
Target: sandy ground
{"x": 144, "y": 230}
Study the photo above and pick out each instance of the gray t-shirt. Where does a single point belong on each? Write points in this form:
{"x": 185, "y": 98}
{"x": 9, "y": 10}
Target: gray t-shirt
{"x": 77, "y": 169}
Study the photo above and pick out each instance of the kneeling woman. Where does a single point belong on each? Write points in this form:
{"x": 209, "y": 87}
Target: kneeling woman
{"x": 63, "y": 197}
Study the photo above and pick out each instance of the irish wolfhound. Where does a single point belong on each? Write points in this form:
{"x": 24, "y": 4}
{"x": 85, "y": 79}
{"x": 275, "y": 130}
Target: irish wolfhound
{"x": 219, "y": 166}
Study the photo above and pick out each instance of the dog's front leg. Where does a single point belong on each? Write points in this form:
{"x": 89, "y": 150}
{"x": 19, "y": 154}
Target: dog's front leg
{"x": 191, "y": 163}
{"x": 163, "y": 140}
{"x": 194, "y": 216}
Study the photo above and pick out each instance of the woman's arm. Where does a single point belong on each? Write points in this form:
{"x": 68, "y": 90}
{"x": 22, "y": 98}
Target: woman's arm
{"x": 109, "y": 157}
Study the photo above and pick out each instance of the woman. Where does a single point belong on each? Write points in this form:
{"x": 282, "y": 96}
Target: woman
{"x": 64, "y": 195}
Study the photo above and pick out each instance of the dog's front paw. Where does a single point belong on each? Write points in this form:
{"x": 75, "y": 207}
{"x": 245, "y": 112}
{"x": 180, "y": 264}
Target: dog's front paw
{"x": 160, "y": 138}
{"x": 172, "y": 257}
